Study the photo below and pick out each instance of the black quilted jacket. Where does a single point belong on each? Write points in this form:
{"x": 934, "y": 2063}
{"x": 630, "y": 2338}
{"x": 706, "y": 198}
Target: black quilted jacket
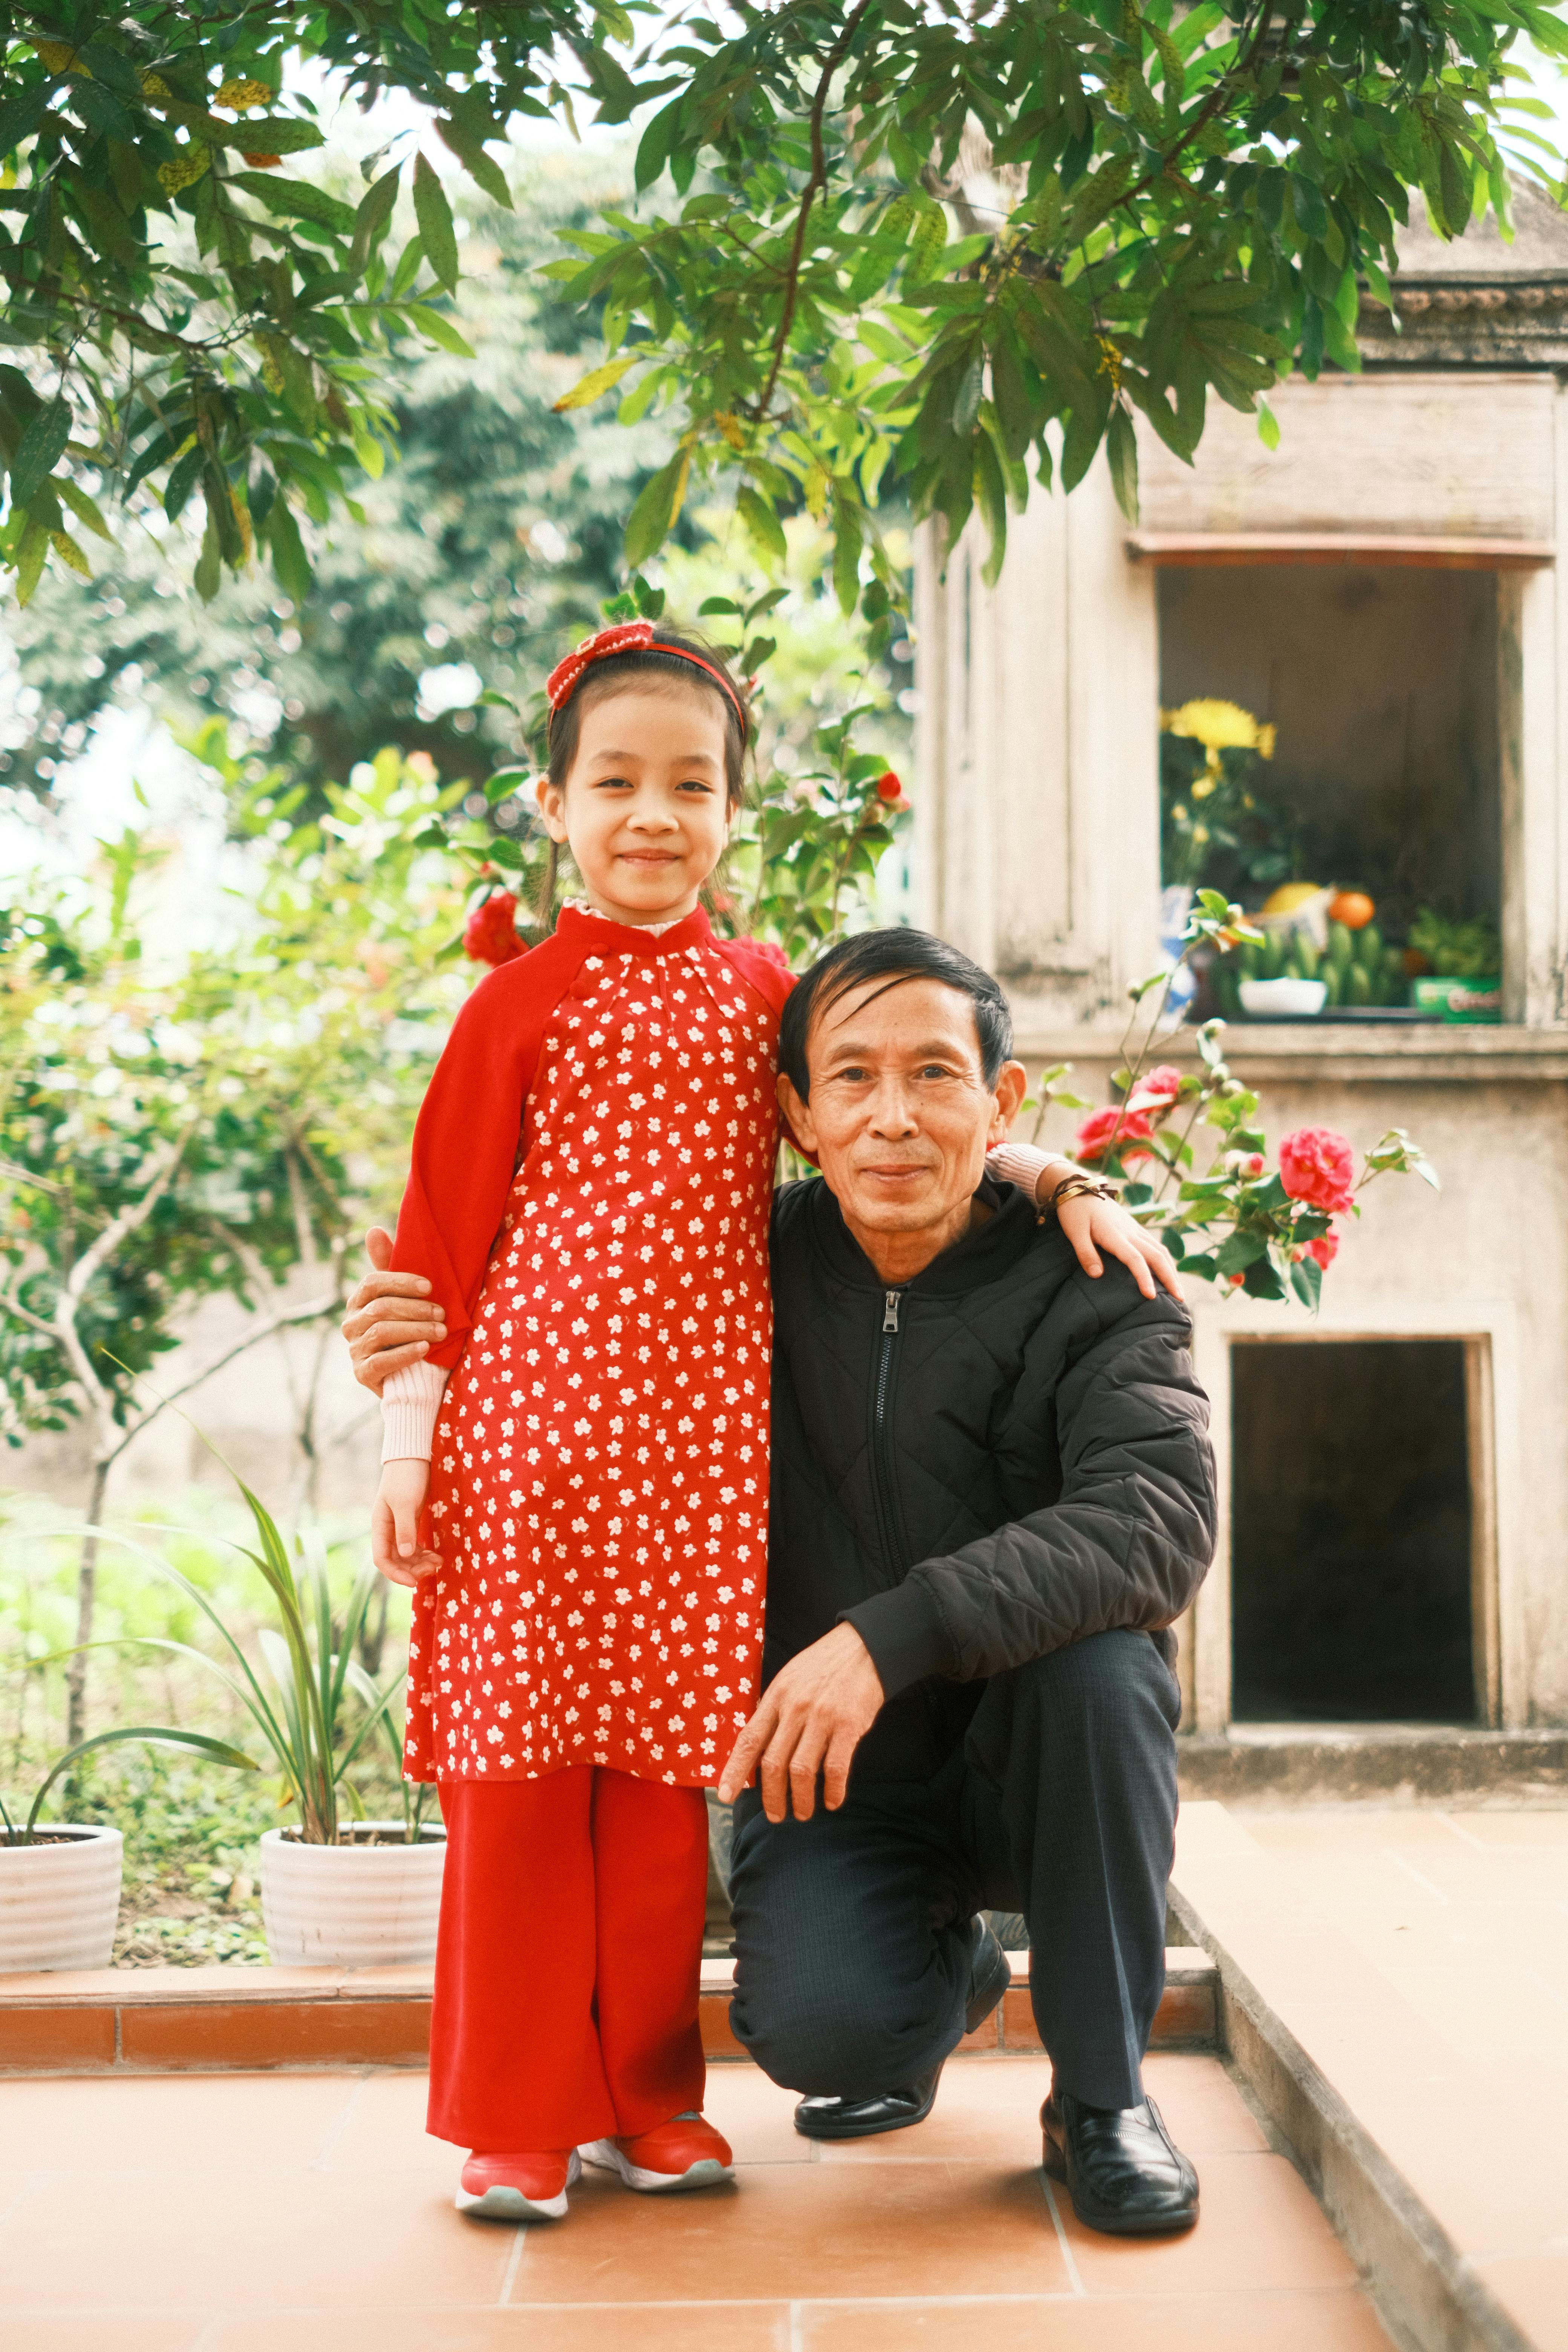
{"x": 998, "y": 1458}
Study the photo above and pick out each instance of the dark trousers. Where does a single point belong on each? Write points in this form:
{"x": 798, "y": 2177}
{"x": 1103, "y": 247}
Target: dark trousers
{"x": 852, "y": 1929}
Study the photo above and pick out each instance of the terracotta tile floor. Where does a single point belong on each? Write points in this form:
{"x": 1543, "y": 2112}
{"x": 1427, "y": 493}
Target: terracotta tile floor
{"x": 1421, "y": 1954}
{"x": 309, "y": 2213}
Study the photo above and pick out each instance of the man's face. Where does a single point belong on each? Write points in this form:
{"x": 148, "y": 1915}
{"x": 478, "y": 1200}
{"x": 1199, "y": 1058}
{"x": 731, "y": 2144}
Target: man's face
{"x": 901, "y": 1117}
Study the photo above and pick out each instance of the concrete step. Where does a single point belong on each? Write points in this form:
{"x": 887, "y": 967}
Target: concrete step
{"x": 1394, "y": 1984}
{"x": 155, "y": 2021}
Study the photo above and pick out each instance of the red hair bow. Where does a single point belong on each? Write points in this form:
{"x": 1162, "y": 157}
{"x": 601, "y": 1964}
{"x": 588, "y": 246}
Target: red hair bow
{"x": 628, "y": 636}
{"x": 624, "y": 638}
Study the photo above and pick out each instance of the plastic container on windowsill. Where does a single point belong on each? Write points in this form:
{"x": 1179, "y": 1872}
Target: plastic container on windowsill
{"x": 1283, "y": 1000}
{"x": 1444, "y": 996}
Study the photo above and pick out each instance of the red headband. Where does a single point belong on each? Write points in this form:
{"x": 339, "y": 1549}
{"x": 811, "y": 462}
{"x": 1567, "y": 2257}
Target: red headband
{"x": 629, "y": 637}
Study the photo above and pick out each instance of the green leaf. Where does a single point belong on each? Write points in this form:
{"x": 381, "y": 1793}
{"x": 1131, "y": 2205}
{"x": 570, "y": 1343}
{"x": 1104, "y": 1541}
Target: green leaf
{"x": 1121, "y": 449}
{"x": 1307, "y": 1282}
{"x": 1267, "y": 425}
{"x": 434, "y": 214}
{"x": 482, "y": 168}
{"x": 766, "y": 530}
{"x": 85, "y": 509}
{"x": 217, "y": 1751}
{"x": 183, "y": 475}
{"x": 505, "y": 782}
{"x": 848, "y": 536}
{"x": 262, "y": 134}
{"x": 1239, "y": 1250}
{"x": 290, "y": 561}
{"x": 653, "y": 148}
{"x": 296, "y": 200}
{"x": 440, "y": 330}
{"x": 597, "y": 382}
{"x": 41, "y": 447}
{"x": 652, "y": 516}
{"x": 371, "y": 220}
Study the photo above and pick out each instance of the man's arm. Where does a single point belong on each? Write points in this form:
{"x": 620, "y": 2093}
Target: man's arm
{"x": 1127, "y": 1544}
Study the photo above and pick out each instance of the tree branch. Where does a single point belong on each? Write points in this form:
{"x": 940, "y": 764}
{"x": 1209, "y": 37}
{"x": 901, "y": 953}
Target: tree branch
{"x": 95, "y": 1256}
{"x": 309, "y": 1313}
{"x": 816, "y": 182}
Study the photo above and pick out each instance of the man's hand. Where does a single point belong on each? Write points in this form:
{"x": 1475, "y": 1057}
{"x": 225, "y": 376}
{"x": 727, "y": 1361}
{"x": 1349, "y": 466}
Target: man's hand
{"x": 391, "y": 1320}
{"x": 395, "y": 1543}
{"x": 812, "y": 1717}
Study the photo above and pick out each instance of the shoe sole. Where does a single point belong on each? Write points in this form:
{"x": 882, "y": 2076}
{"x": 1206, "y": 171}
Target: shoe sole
{"x": 498, "y": 2203}
{"x": 704, "y": 2174}
{"x": 868, "y": 2131}
{"x": 1119, "y": 2225}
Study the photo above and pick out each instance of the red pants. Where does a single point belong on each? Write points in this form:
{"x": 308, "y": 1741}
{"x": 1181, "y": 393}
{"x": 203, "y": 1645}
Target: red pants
{"x": 568, "y": 1964}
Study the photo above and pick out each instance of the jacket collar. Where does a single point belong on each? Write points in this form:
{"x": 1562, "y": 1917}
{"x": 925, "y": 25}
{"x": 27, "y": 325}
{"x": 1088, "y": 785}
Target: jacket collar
{"x": 977, "y": 1259}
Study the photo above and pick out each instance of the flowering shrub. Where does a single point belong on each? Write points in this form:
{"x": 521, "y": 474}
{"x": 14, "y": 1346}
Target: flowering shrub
{"x": 491, "y": 935}
{"x": 1318, "y": 1167}
{"x": 1240, "y": 1222}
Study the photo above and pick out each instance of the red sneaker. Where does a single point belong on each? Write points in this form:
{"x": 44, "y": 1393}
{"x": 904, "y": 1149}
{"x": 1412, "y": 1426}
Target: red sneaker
{"x": 684, "y": 2153}
{"x": 528, "y": 2188}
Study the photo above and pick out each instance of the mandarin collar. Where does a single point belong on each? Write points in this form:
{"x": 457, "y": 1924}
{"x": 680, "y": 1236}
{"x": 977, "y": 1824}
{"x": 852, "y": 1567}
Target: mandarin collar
{"x": 588, "y": 929}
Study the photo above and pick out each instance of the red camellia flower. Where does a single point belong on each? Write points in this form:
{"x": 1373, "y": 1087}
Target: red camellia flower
{"x": 888, "y": 788}
{"x": 1157, "y": 1089}
{"x": 1325, "y": 1249}
{"x": 489, "y": 935}
{"x": 1318, "y": 1167}
{"x": 1099, "y": 1127}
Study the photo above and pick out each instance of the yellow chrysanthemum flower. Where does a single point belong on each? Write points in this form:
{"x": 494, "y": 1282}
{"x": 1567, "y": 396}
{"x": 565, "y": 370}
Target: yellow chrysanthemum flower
{"x": 1219, "y": 726}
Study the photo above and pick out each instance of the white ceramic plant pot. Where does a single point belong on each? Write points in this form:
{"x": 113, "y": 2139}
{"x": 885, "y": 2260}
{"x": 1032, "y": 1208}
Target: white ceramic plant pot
{"x": 60, "y": 1901}
{"x": 362, "y": 1905}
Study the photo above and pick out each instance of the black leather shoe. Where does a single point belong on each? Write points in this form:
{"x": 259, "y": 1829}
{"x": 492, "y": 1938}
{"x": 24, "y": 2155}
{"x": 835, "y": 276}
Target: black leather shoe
{"x": 990, "y": 1974}
{"x": 1123, "y": 2171}
{"x": 861, "y": 2118}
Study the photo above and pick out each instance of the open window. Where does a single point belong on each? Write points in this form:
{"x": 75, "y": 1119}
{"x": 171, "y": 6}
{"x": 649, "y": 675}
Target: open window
{"x": 1380, "y": 683}
{"x": 1360, "y": 1583}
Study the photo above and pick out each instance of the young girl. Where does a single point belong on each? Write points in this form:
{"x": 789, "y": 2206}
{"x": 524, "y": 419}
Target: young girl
{"x": 589, "y": 1201}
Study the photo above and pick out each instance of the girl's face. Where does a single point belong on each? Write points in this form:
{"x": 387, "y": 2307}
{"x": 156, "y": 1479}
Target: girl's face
{"x": 644, "y": 810}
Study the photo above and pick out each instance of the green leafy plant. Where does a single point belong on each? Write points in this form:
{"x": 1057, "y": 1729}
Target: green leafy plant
{"x": 1470, "y": 949}
{"x": 1215, "y": 827}
{"x": 22, "y": 1829}
{"x": 306, "y": 1657}
{"x": 1241, "y": 1223}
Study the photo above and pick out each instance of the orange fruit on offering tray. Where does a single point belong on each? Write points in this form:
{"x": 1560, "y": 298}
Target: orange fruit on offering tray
{"x": 1354, "y": 908}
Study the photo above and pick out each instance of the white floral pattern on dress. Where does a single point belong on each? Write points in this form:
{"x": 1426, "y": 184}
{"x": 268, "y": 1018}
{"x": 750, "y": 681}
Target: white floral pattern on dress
{"x": 599, "y": 1478}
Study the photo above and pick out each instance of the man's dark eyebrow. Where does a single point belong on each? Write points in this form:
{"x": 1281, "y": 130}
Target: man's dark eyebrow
{"x": 934, "y": 1050}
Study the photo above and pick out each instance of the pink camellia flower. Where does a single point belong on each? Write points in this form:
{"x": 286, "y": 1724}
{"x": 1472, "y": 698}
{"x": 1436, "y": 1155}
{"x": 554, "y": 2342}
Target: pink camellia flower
{"x": 1318, "y": 1167}
{"x": 1099, "y": 1127}
{"x": 1325, "y": 1249}
{"x": 1156, "y": 1089}
{"x": 489, "y": 935}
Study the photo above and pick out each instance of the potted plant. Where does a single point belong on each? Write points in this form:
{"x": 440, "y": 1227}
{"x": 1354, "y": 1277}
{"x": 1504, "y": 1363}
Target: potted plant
{"x": 1464, "y": 981}
{"x": 337, "y": 1890}
{"x": 59, "y": 1881}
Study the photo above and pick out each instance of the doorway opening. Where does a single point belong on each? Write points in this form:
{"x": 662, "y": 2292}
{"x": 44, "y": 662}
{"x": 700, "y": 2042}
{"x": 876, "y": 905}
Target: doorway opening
{"x": 1352, "y": 1542}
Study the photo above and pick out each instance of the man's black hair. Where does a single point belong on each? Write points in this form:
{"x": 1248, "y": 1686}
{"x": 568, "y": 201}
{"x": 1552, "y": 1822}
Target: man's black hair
{"x": 892, "y": 956}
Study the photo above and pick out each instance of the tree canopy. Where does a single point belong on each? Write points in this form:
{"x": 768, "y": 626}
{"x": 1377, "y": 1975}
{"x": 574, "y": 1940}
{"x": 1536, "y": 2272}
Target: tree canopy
{"x": 1152, "y": 203}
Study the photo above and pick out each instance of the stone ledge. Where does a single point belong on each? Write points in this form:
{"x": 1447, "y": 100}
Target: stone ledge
{"x": 1334, "y": 1763}
{"x": 158, "y": 2021}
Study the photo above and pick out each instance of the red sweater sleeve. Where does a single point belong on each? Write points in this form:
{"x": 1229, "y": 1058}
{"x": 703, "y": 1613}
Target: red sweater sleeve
{"x": 466, "y": 1134}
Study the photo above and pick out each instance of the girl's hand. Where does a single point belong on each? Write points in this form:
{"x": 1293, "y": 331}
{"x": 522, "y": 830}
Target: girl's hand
{"x": 1092, "y": 1225}
{"x": 395, "y": 1543}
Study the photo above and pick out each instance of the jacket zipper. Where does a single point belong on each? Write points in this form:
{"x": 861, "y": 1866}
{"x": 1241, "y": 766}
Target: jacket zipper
{"x": 882, "y": 1448}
